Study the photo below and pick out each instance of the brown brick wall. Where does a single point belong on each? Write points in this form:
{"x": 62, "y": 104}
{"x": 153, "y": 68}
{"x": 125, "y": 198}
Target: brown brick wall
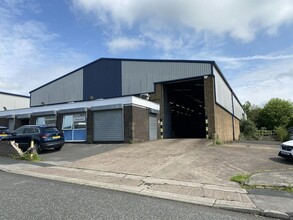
{"x": 33, "y": 120}
{"x": 140, "y": 124}
{"x": 136, "y": 124}
{"x": 219, "y": 120}
{"x": 128, "y": 130}
{"x": 224, "y": 126}
{"x": 4, "y": 122}
{"x": 59, "y": 119}
{"x": 90, "y": 127}
{"x": 157, "y": 97}
{"x": 17, "y": 123}
{"x": 236, "y": 128}
{"x": 209, "y": 93}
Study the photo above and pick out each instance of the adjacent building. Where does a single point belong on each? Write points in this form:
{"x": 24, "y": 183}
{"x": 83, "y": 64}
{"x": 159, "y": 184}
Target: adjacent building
{"x": 136, "y": 100}
{"x": 9, "y": 101}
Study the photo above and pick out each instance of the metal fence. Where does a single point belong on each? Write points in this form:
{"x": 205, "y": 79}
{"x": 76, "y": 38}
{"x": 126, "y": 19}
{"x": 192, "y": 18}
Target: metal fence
{"x": 262, "y": 133}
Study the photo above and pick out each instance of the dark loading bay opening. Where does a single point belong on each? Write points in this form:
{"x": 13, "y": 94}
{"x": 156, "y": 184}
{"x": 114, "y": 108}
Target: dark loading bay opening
{"x": 25, "y": 121}
{"x": 186, "y": 106}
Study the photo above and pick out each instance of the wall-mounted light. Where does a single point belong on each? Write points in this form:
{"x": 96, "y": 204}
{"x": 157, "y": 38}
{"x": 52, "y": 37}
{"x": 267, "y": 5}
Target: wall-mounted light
{"x": 5, "y": 109}
{"x": 145, "y": 96}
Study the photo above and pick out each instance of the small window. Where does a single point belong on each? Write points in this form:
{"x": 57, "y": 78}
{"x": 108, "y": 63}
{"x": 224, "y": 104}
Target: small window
{"x": 51, "y": 130}
{"x": 40, "y": 121}
{"x": 79, "y": 125}
{"x": 19, "y": 131}
{"x": 46, "y": 120}
{"x": 31, "y": 131}
{"x": 67, "y": 122}
{"x": 28, "y": 131}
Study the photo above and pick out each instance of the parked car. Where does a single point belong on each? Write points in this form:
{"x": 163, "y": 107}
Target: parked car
{"x": 4, "y": 131}
{"x": 286, "y": 149}
{"x": 45, "y": 137}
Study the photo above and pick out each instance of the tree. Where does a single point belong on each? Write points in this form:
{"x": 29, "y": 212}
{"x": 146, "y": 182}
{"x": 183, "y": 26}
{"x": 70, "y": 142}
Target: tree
{"x": 246, "y": 107}
{"x": 275, "y": 113}
{"x": 282, "y": 133}
{"x": 252, "y": 112}
{"x": 248, "y": 128}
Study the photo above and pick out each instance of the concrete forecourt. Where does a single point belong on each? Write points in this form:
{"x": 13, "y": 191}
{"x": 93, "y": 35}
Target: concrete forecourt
{"x": 187, "y": 170}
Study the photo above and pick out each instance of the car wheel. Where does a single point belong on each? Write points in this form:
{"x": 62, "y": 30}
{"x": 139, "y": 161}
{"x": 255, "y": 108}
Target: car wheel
{"x": 38, "y": 148}
{"x": 58, "y": 148}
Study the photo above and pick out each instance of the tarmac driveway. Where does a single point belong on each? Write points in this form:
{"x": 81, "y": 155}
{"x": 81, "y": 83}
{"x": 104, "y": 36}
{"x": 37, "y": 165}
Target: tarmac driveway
{"x": 191, "y": 160}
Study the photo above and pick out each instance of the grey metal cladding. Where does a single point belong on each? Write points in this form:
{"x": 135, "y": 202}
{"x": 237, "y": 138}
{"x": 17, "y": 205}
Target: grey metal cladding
{"x": 223, "y": 93}
{"x": 238, "y": 110}
{"x": 65, "y": 89}
{"x": 139, "y": 76}
{"x": 226, "y": 98}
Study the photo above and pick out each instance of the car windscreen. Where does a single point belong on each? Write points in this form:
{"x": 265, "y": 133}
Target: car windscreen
{"x": 50, "y": 130}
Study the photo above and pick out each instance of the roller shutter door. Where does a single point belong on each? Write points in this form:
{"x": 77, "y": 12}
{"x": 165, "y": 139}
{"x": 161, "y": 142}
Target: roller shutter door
{"x": 108, "y": 125}
{"x": 153, "y": 134}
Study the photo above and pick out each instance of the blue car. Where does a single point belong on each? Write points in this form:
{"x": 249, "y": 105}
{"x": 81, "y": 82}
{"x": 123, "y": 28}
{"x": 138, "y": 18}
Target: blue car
{"x": 44, "y": 137}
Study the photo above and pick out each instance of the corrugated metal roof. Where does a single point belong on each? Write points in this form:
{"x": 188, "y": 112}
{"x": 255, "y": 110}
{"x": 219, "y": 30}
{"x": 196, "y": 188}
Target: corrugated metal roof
{"x": 12, "y": 94}
{"x": 126, "y": 59}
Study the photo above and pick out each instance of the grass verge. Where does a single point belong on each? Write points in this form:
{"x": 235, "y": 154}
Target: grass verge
{"x": 28, "y": 157}
{"x": 242, "y": 179}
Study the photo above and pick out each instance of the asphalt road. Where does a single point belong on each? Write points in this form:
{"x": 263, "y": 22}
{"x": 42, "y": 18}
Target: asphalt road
{"x": 24, "y": 197}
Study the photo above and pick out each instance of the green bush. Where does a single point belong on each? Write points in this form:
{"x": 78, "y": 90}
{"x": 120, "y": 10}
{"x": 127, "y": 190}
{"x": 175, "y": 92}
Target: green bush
{"x": 248, "y": 128}
{"x": 281, "y": 133}
{"x": 218, "y": 141}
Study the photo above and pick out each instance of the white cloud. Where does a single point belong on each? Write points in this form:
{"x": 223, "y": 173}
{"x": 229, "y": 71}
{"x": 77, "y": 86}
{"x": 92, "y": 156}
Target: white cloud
{"x": 240, "y": 63}
{"x": 270, "y": 80}
{"x": 241, "y": 19}
{"x": 257, "y": 57}
{"x": 30, "y": 55}
{"x": 121, "y": 44}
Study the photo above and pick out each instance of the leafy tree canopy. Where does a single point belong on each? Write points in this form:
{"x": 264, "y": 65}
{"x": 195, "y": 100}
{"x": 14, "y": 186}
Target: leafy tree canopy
{"x": 252, "y": 112}
{"x": 275, "y": 113}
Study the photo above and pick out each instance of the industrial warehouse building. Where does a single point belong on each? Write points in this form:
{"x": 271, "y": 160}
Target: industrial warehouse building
{"x": 136, "y": 100}
{"x": 10, "y": 101}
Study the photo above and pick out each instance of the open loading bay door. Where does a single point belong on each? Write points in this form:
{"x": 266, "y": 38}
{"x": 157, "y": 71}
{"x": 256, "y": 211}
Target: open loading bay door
{"x": 184, "y": 109}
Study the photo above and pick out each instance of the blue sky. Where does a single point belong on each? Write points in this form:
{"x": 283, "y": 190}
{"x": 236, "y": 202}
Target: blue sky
{"x": 250, "y": 40}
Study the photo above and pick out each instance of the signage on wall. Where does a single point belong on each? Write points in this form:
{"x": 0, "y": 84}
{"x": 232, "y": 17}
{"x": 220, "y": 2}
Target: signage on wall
{"x": 79, "y": 118}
